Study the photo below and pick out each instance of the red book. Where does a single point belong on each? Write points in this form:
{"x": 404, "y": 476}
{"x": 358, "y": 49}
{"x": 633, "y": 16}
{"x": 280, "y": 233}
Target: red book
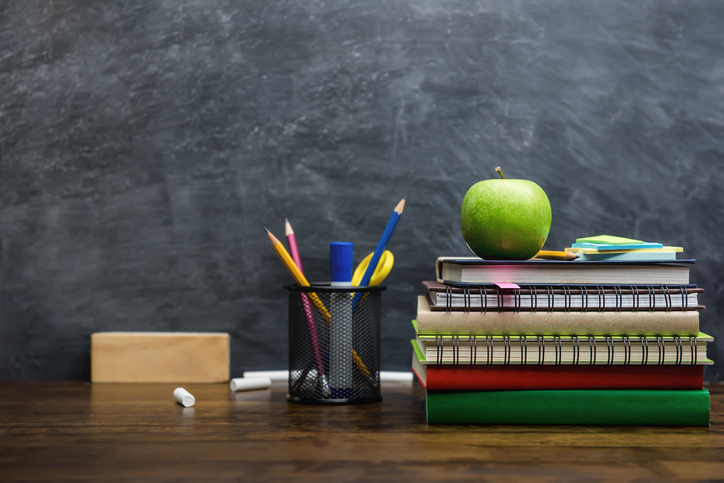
{"x": 533, "y": 377}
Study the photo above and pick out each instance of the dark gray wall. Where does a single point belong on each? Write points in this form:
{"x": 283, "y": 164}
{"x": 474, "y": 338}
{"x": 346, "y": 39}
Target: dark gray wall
{"x": 145, "y": 145}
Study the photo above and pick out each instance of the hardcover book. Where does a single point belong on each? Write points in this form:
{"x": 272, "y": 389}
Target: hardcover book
{"x": 601, "y": 407}
{"x": 473, "y": 270}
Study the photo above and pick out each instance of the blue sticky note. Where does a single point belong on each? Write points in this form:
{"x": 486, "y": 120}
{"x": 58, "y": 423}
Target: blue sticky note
{"x": 604, "y": 247}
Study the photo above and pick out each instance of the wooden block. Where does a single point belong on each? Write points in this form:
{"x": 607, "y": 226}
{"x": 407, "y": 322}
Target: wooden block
{"x": 172, "y": 357}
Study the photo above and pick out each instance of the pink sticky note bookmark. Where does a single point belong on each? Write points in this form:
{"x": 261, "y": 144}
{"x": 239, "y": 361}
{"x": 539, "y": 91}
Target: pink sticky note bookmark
{"x": 506, "y": 286}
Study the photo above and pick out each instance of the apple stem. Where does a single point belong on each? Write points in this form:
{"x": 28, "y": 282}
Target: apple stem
{"x": 500, "y": 172}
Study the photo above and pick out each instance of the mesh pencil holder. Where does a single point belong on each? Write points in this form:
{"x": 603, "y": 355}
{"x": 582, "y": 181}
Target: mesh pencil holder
{"x": 334, "y": 344}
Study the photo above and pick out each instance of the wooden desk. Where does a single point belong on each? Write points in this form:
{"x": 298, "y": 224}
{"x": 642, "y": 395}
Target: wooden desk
{"x": 79, "y": 431}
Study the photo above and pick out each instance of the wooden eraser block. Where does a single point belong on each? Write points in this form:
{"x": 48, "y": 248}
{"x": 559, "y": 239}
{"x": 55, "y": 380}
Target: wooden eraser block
{"x": 159, "y": 357}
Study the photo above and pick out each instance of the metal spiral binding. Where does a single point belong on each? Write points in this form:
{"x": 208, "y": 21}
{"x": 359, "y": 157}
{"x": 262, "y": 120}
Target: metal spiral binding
{"x": 541, "y": 350}
{"x": 644, "y": 350}
{"x": 518, "y": 299}
{"x": 533, "y": 299}
{"x": 551, "y": 297}
{"x": 524, "y": 349}
{"x": 559, "y": 349}
{"x": 438, "y": 348}
{"x": 456, "y": 349}
{"x": 576, "y": 349}
{"x": 652, "y": 298}
{"x": 489, "y": 342}
{"x": 584, "y": 298}
{"x": 609, "y": 345}
{"x": 592, "y": 350}
{"x": 506, "y": 354}
{"x": 499, "y": 293}
{"x": 679, "y": 350}
{"x": 601, "y": 298}
{"x": 667, "y": 297}
{"x": 684, "y": 298}
{"x": 662, "y": 349}
{"x": 448, "y": 298}
{"x": 636, "y": 301}
{"x": 567, "y": 302}
{"x": 626, "y": 350}
{"x": 619, "y": 298}
{"x": 694, "y": 350}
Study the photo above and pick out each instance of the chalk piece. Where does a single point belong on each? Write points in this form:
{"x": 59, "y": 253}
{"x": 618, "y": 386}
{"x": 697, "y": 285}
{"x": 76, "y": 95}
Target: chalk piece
{"x": 390, "y": 376}
{"x": 275, "y": 376}
{"x": 183, "y": 397}
{"x": 283, "y": 376}
{"x": 159, "y": 357}
{"x": 248, "y": 384}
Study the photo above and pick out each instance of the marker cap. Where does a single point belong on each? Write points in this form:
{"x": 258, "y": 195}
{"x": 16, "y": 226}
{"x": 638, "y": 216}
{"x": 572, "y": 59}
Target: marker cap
{"x": 340, "y": 257}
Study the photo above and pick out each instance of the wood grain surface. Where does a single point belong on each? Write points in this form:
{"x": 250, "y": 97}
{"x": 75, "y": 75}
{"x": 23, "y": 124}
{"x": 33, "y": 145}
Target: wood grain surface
{"x": 65, "y": 431}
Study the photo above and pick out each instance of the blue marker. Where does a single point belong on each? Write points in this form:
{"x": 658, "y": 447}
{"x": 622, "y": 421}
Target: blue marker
{"x": 340, "y": 325}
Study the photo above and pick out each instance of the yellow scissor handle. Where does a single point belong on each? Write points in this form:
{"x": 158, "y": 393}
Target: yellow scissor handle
{"x": 383, "y": 268}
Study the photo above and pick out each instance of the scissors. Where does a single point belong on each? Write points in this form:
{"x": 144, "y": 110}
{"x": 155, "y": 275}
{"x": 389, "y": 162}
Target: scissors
{"x": 383, "y": 269}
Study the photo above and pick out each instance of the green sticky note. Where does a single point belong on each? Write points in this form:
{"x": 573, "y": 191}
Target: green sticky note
{"x": 609, "y": 240}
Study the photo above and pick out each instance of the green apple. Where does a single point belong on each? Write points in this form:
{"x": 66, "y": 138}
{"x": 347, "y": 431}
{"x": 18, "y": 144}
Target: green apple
{"x": 505, "y": 219}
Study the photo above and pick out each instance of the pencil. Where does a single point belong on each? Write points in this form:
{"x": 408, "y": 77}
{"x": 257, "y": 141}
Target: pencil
{"x": 292, "y": 241}
{"x": 555, "y": 255}
{"x": 311, "y": 326}
{"x": 382, "y": 244}
{"x": 296, "y": 273}
{"x": 302, "y": 281}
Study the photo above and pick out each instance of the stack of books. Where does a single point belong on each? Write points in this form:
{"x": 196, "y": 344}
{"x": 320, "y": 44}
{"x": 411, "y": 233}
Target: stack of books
{"x": 600, "y": 341}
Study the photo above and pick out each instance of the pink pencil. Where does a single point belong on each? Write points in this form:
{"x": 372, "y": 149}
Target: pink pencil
{"x": 294, "y": 252}
{"x": 292, "y": 240}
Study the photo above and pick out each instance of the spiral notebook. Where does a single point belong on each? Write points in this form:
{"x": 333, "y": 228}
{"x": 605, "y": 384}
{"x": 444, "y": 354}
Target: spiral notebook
{"x": 564, "y": 298}
{"x": 581, "y": 323}
{"x": 564, "y": 350}
{"x": 533, "y": 377}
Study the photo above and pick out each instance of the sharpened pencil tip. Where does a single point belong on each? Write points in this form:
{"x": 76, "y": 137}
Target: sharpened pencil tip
{"x": 288, "y": 228}
{"x": 267, "y": 230}
{"x": 400, "y": 206}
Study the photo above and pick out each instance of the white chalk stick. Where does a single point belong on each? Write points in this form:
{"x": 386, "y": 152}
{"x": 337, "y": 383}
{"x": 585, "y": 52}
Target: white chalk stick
{"x": 275, "y": 376}
{"x": 390, "y": 376}
{"x": 283, "y": 376}
{"x": 249, "y": 383}
{"x": 183, "y": 397}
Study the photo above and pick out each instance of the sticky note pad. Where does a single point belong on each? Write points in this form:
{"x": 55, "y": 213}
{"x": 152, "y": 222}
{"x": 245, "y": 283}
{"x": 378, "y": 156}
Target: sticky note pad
{"x": 161, "y": 357}
{"x": 606, "y": 247}
{"x": 609, "y": 240}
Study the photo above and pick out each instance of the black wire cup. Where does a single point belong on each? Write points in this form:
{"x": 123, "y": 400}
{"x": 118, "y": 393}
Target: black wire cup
{"x": 334, "y": 344}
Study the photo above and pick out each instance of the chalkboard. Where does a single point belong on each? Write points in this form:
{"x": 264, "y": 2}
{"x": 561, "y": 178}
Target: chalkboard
{"x": 145, "y": 146}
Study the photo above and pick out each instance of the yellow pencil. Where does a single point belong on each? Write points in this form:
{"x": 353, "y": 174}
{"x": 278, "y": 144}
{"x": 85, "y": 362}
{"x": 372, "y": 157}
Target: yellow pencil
{"x": 554, "y": 255}
{"x": 301, "y": 280}
{"x": 298, "y": 276}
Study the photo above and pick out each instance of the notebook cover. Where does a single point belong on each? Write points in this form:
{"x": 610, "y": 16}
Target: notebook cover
{"x": 493, "y": 322}
{"x": 531, "y": 377}
{"x": 575, "y": 265}
{"x": 578, "y": 407}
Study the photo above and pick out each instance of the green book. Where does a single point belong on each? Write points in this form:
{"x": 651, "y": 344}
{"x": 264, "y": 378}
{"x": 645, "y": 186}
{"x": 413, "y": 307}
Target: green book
{"x": 592, "y": 407}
